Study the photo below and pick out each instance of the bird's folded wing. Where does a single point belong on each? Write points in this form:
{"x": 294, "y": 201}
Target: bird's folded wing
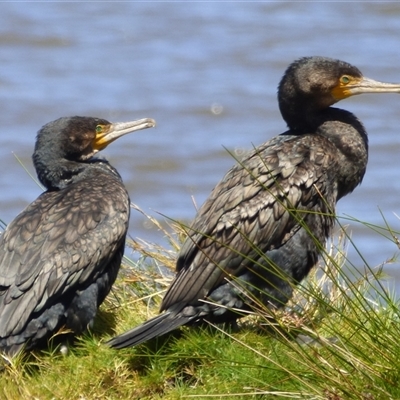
{"x": 56, "y": 244}
{"x": 260, "y": 203}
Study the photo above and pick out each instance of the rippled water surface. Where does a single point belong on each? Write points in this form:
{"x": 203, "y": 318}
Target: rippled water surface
{"x": 207, "y": 72}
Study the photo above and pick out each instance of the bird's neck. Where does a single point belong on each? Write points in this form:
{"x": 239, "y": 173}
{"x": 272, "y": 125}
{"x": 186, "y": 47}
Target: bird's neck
{"x": 348, "y": 135}
{"x": 341, "y": 128}
{"x": 58, "y": 173}
{"x": 301, "y": 116}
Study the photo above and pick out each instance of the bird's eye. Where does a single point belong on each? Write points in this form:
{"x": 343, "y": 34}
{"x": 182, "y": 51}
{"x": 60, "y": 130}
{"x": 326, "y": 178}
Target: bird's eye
{"x": 345, "y": 79}
{"x": 99, "y": 128}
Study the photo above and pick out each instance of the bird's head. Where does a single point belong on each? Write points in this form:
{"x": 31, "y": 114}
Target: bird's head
{"x": 64, "y": 144}
{"x": 79, "y": 138}
{"x": 311, "y": 84}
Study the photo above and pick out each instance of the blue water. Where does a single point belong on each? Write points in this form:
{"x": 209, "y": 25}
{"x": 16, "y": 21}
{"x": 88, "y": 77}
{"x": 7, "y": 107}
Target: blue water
{"x": 207, "y": 72}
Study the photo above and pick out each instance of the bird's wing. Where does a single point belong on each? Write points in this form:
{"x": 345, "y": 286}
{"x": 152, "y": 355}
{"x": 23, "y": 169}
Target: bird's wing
{"x": 255, "y": 208}
{"x": 58, "y": 243}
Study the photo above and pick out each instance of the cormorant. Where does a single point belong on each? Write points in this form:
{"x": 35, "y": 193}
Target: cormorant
{"x": 60, "y": 256}
{"x": 265, "y": 224}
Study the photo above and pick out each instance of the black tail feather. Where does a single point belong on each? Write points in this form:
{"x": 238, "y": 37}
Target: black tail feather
{"x": 152, "y": 328}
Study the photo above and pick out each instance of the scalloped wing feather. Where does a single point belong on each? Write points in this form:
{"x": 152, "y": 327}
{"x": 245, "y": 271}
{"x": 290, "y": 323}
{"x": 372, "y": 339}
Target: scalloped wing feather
{"x": 257, "y": 207}
{"x": 52, "y": 247}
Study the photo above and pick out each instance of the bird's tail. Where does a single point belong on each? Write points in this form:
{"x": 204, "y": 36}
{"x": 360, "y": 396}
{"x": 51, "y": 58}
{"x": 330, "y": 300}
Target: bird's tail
{"x": 152, "y": 328}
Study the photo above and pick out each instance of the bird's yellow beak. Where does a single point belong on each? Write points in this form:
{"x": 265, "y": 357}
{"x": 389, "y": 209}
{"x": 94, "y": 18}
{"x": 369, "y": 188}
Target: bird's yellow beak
{"x": 106, "y": 134}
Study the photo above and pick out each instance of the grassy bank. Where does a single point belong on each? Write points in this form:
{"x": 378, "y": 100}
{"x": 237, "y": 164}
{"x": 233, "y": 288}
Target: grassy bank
{"x": 337, "y": 339}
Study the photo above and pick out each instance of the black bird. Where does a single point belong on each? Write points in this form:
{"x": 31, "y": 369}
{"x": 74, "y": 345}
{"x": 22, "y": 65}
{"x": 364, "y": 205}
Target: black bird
{"x": 264, "y": 225}
{"x": 61, "y": 255}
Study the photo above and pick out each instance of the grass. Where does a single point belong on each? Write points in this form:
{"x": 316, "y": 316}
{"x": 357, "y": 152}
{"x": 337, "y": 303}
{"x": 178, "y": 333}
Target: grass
{"x": 337, "y": 339}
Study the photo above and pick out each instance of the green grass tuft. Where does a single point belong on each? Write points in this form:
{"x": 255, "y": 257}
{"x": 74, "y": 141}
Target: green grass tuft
{"x": 336, "y": 340}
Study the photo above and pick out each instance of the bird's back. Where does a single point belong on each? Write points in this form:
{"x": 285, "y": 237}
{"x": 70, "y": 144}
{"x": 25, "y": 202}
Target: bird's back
{"x": 260, "y": 204}
{"x": 59, "y": 245}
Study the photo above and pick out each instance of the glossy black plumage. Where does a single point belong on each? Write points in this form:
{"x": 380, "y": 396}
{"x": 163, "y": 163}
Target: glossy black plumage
{"x": 262, "y": 227}
{"x": 60, "y": 256}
